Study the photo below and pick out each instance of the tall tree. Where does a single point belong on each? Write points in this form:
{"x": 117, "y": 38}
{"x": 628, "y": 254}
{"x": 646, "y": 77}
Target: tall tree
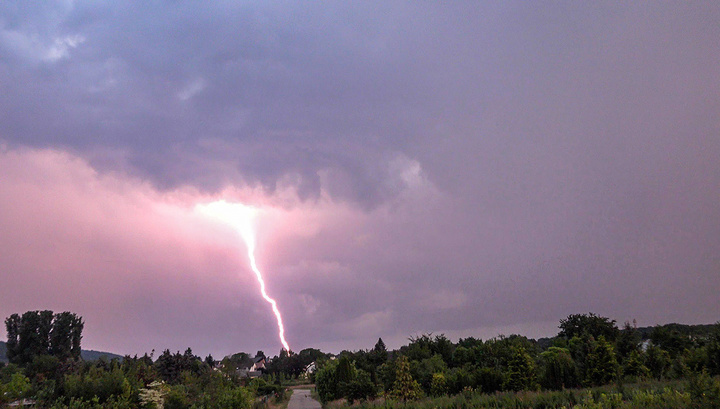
{"x": 380, "y": 346}
{"x": 43, "y": 333}
{"x": 602, "y": 364}
{"x": 65, "y": 336}
{"x": 12, "y": 323}
{"x": 210, "y": 361}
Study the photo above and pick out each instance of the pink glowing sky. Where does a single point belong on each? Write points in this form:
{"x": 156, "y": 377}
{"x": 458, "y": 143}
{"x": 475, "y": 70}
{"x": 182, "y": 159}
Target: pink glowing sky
{"x": 468, "y": 169}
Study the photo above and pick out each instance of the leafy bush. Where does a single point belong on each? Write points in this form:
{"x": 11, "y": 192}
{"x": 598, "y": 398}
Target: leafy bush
{"x": 326, "y": 382}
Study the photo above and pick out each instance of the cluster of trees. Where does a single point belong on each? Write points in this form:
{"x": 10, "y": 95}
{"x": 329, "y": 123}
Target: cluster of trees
{"x": 353, "y": 375}
{"x": 45, "y": 365}
{"x": 43, "y": 333}
{"x": 134, "y": 382}
{"x": 589, "y": 350}
{"x": 288, "y": 365}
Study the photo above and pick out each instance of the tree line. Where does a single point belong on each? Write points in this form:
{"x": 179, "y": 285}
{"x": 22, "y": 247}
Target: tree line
{"x": 589, "y": 350}
{"x": 45, "y": 365}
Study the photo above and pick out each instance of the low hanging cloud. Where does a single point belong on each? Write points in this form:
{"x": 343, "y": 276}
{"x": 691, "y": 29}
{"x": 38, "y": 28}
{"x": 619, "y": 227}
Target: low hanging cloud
{"x": 147, "y": 272}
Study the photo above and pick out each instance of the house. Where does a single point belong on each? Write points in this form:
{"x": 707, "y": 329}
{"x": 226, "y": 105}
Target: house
{"x": 252, "y": 368}
{"x": 310, "y": 369}
{"x": 258, "y": 363}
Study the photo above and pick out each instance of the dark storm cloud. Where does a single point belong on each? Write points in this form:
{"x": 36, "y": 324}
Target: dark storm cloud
{"x": 288, "y": 88}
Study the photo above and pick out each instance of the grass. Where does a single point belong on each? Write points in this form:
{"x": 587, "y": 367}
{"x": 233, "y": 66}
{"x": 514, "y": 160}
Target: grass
{"x": 277, "y": 401}
{"x": 702, "y": 394}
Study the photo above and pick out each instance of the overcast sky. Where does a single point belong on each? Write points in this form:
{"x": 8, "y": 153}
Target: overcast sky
{"x": 468, "y": 168}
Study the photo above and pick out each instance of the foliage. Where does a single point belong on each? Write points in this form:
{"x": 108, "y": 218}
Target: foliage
{"x": 634, "y": 365}
{"x": 657, "y": 361}
{"x": 43, "y": 333}
{"x": 588, "y": 325}
{"x": 405, "y": 387}
{"x": 176, "y": 397}
{"x": 558, "y": 369}
{"x": 603, "y": 366}
{"x": 425, "y": 346}
{"x": 704, "y": 391}
{"x": 97, "y": 383}
{"x": 628, "y": 341}
{"x": 345, "y": 371}
{"x": 640, "y": 396}
{"x": 438, "y": 385}
{"x": 424, "y": 370}
{"x": 360, "y": 387}
{"x": 386, "y": 375}
{"x": 670, "y": 339}
{"x": 469, "y": 373}
{"x": 341, "y": 379}
{"x": 521, "y": 371}
{"x": 227, "y": 397}
{"x": 290, "y": 364}
{"x": 713, "y": 352}
{"x": 170, "y": 367}
{"x": 326, "y": 382}
{"x": 17, "y": 388}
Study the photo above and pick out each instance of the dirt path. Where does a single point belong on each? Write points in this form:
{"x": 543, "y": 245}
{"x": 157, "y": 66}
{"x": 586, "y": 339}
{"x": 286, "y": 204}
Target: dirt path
{"x": 301, "y": 399}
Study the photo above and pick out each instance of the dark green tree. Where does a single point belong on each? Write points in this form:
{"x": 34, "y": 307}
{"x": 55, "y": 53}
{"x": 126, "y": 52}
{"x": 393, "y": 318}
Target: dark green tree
{"x": 210, "y": 361}
{"x": 66, "y": 335}
{"x": 558, "y": 369}
{"x": 628, "y": 341}
{"x": 326, "y": 383}
{"x": 345, "y": 374}
{"x": 43, "y": 333}
{"x": 12, "y": 323}
{"x": 361, "y": 387}
{"x": 488, "y": 380}
{"x": 462, "y": 356}
{"x": 671, "y": 339}
{"x": 588, "y": 325}
{"x": 423, "y": 371}
{"x": 378, "y": 355}
{"x": 657, "y": 361}
{"x": 520, "y": 371}
{"x": 602, "y": 364}
{"x": 713, "y": 351}
{"x": 380, "y": 346}
{"x": 386, "y": 374}
{"x": 634, "y": 365}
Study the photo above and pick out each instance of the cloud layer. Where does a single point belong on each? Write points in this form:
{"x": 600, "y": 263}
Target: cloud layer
{"x": 467, "y": 168}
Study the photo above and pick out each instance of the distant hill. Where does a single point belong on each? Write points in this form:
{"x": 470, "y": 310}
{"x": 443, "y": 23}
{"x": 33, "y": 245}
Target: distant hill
{"x": 85, "y": 354}
{"x": 693, "y": 331}
{"x": 90, "y": 355}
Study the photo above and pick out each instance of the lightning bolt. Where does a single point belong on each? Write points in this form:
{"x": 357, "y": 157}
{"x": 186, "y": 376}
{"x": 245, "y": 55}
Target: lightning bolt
{"x": 242, "y": 218}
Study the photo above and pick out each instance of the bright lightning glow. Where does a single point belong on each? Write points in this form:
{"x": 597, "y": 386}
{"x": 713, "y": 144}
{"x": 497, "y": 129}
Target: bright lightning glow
{"x": 242, "y": 218}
